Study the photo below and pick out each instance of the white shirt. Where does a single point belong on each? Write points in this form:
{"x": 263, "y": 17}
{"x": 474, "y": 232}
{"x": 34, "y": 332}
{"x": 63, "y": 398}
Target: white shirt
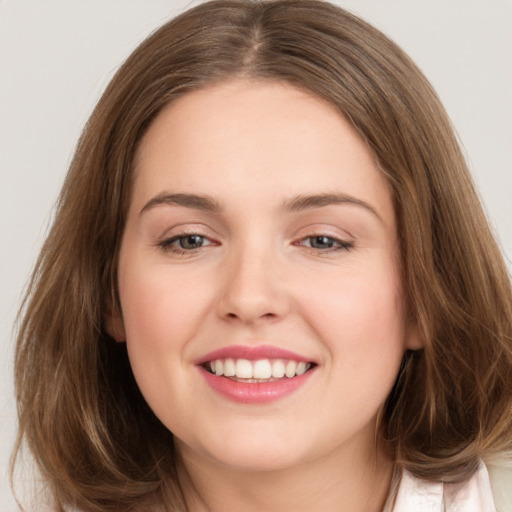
{"x": 473, "y": 495}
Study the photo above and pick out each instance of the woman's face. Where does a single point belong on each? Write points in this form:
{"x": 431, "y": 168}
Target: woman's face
{"x": 261, "y": 241}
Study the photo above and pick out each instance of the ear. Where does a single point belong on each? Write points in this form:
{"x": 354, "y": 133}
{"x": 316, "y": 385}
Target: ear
{"x": 413, "y": 339}
{"x": 115, "y": 325}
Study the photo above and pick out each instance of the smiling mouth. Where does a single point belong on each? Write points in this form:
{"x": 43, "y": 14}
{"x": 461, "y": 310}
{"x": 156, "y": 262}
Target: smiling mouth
{"x": 261, "y": 370}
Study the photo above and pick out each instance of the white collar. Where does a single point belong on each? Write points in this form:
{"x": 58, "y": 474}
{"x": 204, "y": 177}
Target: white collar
{"x": 417, "y": 495}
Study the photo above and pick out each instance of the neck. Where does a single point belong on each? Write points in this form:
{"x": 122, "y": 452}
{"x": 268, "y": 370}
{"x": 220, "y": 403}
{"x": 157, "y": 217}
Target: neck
{"x": 338, "y": 481}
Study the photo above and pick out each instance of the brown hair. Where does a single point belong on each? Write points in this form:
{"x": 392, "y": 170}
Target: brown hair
{"x": 94, "y": 438}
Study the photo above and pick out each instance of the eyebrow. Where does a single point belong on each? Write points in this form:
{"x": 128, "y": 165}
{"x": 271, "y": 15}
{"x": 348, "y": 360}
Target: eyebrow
{"x": 197, "y": 202}
{"x": 305, "y": 202}
{"x": 295, "y": 204}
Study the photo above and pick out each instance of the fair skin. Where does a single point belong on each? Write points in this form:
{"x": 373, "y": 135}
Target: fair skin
{"x": 257, "y": 267}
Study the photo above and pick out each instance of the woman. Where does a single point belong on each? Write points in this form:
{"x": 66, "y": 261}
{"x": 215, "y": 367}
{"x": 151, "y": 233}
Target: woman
{"x": 269, "y": 283}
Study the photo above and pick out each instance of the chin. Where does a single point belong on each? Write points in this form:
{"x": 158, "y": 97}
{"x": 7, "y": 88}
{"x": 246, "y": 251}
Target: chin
{"x": 252, "y": 452}
{"x": 260, "y": 460}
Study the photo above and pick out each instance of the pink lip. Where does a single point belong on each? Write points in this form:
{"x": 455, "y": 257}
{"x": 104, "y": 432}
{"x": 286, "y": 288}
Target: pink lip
{"x": 253, "y": 392}
{"x": 252, "y": 353}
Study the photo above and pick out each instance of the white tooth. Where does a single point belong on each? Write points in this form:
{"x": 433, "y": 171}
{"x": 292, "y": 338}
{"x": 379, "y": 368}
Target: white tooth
{"x": 301, "y": 368}
{"x": 243, "y": 369}
{"x": 291, "y": 366}
{"x": 278, "y": 369}
{"x": 212, "y": 366}
{"x": 229, "y": 368}
{"x": 262, "y": 369}
{"x": 219, "y": 367}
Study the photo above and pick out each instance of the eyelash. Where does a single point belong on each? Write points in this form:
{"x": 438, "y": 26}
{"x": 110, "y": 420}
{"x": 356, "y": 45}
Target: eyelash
{"x": 167, "y": 245}
{"x": 342, "y": 245}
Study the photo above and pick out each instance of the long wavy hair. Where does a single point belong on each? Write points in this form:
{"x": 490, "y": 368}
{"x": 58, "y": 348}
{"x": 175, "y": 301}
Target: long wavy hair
{"x": 96, "y": 442}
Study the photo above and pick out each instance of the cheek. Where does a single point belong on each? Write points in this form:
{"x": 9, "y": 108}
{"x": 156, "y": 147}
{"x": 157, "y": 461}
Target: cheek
{"x": 159, "y": 309}
{"x": 360, "y": 317}
{"x": 161, "y": 314}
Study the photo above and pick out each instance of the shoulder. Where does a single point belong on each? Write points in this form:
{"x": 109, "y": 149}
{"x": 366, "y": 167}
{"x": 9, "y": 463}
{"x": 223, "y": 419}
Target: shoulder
{"x": 473, "y": 495}
{"x": 500, "y": 473}
{"x": 488, "y": 490}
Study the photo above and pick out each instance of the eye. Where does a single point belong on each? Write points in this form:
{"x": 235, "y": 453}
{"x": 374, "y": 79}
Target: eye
{"x": 325, "y": 243}
{"x": 185, "y": 243}
{"x": 190, "y": 241}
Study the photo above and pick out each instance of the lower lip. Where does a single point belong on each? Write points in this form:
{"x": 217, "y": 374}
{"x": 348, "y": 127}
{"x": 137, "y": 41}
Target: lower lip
{"x": 254, "y": 392}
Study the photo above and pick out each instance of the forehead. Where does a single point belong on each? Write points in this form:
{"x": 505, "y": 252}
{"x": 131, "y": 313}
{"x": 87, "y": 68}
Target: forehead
{"x": 270, "y": 136}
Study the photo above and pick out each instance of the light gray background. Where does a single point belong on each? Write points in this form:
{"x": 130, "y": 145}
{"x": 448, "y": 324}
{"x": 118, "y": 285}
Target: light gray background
{"x": 57, "y": 56}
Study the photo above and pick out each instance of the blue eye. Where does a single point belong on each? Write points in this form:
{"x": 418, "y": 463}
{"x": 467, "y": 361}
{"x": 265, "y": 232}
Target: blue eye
{"x": 190, "y": 241}
{"x": 325, "y": 243}
{"x": 185, "y": 243}
{"x": 322, "y": 242}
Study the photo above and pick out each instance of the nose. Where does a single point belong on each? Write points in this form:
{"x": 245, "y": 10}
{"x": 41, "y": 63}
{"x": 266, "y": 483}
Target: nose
{"x": 254, "y": 289}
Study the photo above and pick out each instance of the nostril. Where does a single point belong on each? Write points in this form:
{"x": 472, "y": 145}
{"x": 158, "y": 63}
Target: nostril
{"x": 264, "y": 315}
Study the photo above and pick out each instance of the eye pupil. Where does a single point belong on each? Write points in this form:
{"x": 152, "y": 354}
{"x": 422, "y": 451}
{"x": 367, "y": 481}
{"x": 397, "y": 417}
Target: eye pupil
{"x": 191, "y": 242}
{"x": 322, "y": 242}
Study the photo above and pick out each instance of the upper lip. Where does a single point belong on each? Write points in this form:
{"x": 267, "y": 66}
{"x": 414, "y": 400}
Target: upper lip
{"x": 252, "y": 353}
